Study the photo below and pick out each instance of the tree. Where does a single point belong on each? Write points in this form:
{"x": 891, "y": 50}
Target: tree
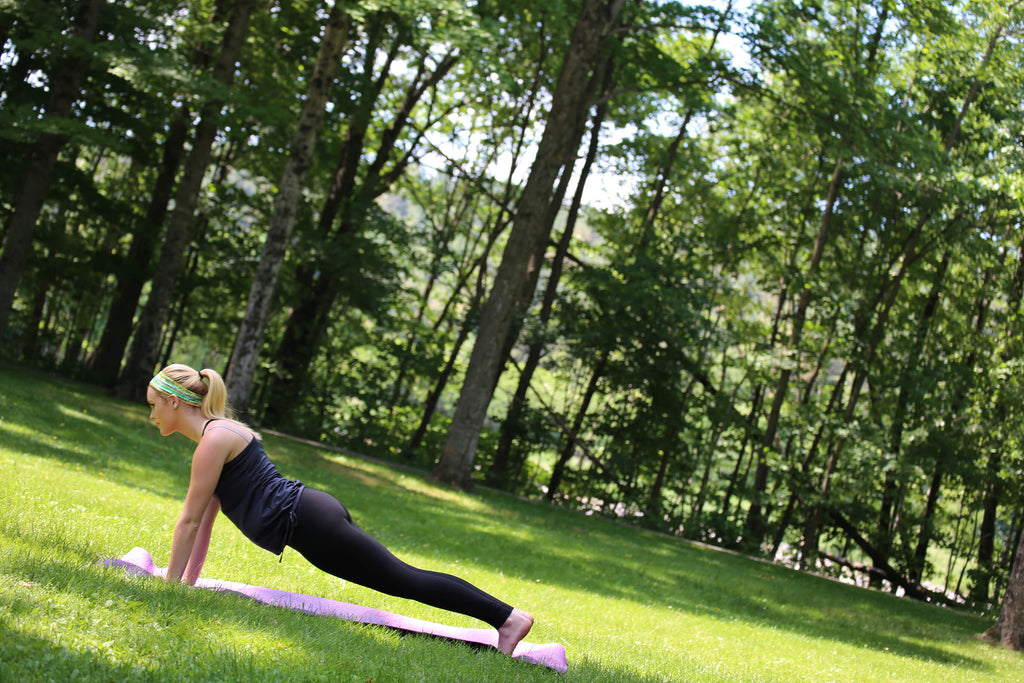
{"x": 161, "y": 119}
{"x": 400, "y": 74}
{"x": 105, "y": 364}
{"x": 1009, "y": 628}
{"x": 66, "y": 83}
{"x": 144, "y": 351}
{"x": 499, "y": 125}
{"x": 562, "y": 134}
{"x": 498, "y": 472}
{"x": 933, "y": 219}
{"x": 250, "y": 335}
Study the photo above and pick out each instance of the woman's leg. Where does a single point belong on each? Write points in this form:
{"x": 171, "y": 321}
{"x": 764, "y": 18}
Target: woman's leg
{"x": 326, "y": 536}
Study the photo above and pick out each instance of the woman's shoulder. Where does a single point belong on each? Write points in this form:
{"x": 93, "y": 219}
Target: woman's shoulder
{"x": 222, "y": 425}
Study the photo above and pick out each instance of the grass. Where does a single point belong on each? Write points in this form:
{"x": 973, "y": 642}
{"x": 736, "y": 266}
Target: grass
{"x": 85, "y": 477}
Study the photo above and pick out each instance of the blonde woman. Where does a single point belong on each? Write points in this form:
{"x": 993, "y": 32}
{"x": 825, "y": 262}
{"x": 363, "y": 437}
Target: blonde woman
{"x": 231, "y": 473}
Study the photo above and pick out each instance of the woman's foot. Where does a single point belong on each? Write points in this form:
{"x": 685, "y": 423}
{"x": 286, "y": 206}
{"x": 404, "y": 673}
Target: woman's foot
{"x": 513, "y": 630}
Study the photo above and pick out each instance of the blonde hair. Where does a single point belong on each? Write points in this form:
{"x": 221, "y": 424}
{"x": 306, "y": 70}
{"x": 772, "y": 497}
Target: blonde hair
{"x": 213, "y": 392}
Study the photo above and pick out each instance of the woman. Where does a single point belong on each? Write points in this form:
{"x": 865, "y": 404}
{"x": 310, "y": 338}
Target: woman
{"x": 231, "y": 473}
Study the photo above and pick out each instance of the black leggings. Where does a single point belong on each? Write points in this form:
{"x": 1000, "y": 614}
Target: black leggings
{"x": 326, "y": 536}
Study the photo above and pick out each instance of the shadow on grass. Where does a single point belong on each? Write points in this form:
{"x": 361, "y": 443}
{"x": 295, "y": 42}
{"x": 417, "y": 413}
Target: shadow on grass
{"x": 80, "y": 426}
{"x": 29, "y": 658}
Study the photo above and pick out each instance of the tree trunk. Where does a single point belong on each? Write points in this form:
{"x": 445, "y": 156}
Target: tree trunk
{"x": 886, "y": 511}
{"x": 569, "y": 448}
{"x": 105, "y": 364}
{"x": 347, "y": 203}
{"x": 498, "y": 473}
{"x": 887, "y": 508}
{"x": 65, "y": 87}
{"x": 934, "y": 491}
{"x": 30, "y": 342}
{"x": 986, "y": 534}
{"x": 144, "y": 351}
{"x": 709, "y": 451}
{"x": 1009, "y": 628}
{"x": 298, "y": 347}
{"x": 883, "y": 304}
{"x": 982, "y": 307}
{"x": 756, "y": 523}
{"x": 245, "y": 356}
{"x": 430, "y": 404}
{"x": 561, "y": 135}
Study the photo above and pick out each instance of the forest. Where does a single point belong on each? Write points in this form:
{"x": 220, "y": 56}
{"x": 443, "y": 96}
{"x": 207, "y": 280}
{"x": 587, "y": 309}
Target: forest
{"x": 746, "y": 273}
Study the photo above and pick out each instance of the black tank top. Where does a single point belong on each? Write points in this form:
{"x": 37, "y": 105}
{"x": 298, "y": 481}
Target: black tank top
{"x": 257, "y": 499}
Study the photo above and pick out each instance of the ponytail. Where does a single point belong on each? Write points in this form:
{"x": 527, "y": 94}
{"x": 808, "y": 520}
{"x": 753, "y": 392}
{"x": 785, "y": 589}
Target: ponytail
{"x": 215, "y": 400}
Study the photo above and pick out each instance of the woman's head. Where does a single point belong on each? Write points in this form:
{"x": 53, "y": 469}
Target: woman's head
{"x": 186, "y": 385}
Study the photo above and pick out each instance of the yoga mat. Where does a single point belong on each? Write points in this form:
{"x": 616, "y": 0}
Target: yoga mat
{"x": 138, "y": 561}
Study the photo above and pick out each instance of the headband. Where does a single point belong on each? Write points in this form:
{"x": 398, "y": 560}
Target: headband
{"x": 165, "y": 384}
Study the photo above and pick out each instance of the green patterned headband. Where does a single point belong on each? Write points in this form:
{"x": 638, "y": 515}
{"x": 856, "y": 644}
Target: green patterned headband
{"x": 165, "y": 384}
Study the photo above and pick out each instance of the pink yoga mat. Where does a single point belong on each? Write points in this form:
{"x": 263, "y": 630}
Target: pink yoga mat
{"x": 551, "y": 655}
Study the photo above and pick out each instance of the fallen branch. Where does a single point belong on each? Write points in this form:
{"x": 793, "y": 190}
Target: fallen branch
{"x": 884, "y": 569}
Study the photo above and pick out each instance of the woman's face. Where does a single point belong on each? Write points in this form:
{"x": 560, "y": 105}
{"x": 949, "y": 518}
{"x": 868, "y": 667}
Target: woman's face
{"x": 161, "y": 411}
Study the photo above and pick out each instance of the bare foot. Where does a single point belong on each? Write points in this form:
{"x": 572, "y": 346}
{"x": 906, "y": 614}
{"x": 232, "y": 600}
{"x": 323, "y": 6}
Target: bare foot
{"x": 513, "y": 630}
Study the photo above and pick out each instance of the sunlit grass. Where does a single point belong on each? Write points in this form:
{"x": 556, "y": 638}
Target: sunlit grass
{"x": 86, "y": 478}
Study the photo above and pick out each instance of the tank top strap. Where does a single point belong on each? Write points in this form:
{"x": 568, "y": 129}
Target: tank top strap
{"x": 225, "y": 424}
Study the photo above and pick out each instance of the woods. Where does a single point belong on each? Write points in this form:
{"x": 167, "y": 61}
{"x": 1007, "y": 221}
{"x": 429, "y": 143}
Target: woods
{"x": 751, "y": 274}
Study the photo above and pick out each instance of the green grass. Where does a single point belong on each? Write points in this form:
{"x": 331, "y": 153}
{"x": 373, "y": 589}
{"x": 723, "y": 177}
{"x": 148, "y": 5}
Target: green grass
{"x": 85, "y": 478}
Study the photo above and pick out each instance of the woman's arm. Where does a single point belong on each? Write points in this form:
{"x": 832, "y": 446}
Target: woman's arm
{"x": 202, "y": 544}
{"x": 207, "y": 463}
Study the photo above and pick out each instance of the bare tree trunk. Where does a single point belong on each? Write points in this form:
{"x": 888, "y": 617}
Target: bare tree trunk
{"x": 245, "y": 356}
{"x": 105, "y": 364}
{"x": 596, "y": 20}
{"x": 65, "y": 87}
{"x": 498, "y": 473}
{"x": 143, "y": 354}
{"x": 1009, "y": 628}
{"x": 353, "y": 191}
{"x": 430, "y": 404}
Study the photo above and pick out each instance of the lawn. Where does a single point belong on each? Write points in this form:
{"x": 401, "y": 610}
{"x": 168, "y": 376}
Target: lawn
{"x": 85, "y": 477}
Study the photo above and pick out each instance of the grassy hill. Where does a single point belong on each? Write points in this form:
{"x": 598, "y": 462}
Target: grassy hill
{"x": 85, "y": 477}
